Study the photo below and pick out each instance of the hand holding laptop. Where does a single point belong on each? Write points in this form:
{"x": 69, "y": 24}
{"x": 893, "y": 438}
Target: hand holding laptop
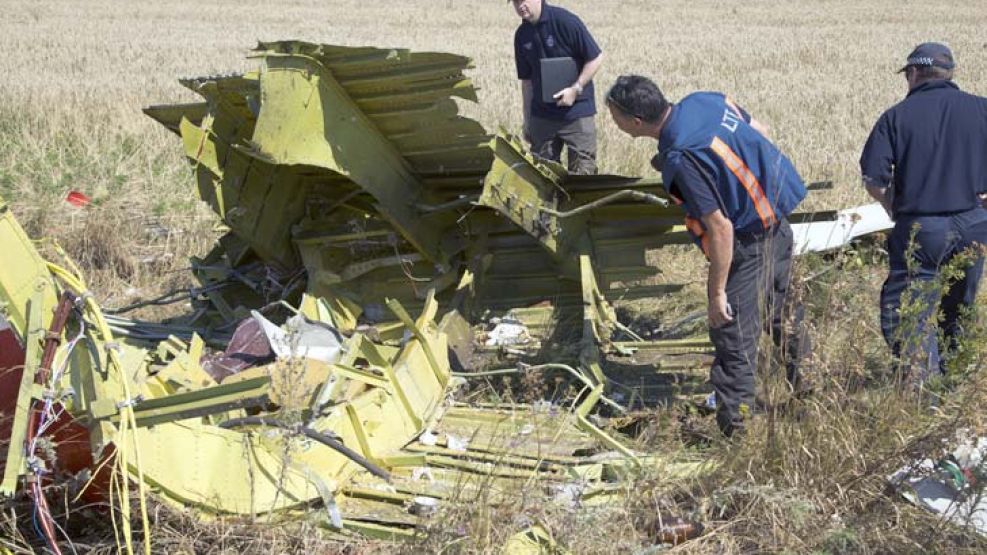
{"x": 568, "y": 95}
{"x": 560, "y": 81}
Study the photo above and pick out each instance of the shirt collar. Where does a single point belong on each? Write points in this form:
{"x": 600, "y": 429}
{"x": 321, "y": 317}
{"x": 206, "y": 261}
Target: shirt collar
{"x": 667, "y": 137}
{"x": 933, "y": 85}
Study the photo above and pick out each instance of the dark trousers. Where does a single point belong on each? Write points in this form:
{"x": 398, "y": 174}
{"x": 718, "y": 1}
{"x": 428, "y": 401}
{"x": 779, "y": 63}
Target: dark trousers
{"x": 759, "y": 278}
{"x": 548, "y": 137}
{"x": 937, "y": 240}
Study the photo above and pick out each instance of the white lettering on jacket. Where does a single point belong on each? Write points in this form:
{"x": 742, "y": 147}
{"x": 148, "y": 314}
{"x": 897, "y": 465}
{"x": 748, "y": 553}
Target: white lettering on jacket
{"x": 730, "y": 120}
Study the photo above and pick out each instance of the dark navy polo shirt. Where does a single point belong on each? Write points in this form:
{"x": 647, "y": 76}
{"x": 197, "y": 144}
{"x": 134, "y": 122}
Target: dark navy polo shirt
{"x": 562, "y": 35}
{"x": 932, "y": 147}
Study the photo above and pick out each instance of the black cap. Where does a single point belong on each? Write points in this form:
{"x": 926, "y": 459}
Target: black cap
{"x": 930, "y": 54}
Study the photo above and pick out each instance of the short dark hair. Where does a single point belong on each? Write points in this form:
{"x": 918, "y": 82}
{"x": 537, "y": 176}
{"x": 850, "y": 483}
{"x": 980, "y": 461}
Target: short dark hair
{"x": 931, "y": 73}
{"x": 638, "y": 96}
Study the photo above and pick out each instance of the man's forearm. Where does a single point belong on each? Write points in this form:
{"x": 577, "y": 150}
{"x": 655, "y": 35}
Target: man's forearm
{"x": 719, "y": 249}
{"x": 569, "y": 95}
{"x": 720, "y": 252}
{"x": 589, "y": 71}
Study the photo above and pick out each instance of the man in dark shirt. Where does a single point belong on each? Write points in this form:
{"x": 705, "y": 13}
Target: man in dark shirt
{"x": 551, "y": 32}
{"x": 926, "y": 162}
{"x": 737, "y": 190}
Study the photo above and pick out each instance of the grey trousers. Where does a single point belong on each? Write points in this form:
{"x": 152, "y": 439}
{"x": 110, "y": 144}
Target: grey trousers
{"x": 548, "y": 137}
{"x": 757, "y": 290}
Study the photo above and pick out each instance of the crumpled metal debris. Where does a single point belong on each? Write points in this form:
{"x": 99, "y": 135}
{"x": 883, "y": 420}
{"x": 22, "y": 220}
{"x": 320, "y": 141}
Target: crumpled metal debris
{"x": 953, "y": 486}
{"x": 248, "y": 347}
{"x": 278, "y": 434}
{"x": 300, "y": 338}
{"x": 349, "y": 174}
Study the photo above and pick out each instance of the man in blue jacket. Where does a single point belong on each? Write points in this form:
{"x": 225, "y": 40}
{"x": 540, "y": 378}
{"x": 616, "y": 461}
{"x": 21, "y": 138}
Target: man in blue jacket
{"x": 926, "y": 162}
{"x": 568, "y": 120}
{"x": 737, "y": 190}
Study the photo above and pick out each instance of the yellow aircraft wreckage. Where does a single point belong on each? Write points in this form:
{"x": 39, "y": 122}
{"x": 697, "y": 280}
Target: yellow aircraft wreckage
{"x": 369, "y": 430}
{"x": 371, "y": 229}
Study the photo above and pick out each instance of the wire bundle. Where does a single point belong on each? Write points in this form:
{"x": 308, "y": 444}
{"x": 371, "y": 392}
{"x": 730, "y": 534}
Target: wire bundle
{"x": 128, "y": 423}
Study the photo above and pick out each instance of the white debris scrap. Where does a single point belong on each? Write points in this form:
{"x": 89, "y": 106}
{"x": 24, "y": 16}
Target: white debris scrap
{"x": 457, "y": 443}
{"x": 508, "y": 331}
{"x": 422, "y": 473}
{"x": 950, "y": 487}
{"x": 848, "y": 225}
{"x": 428, "y": 438}
{"x": 300, "y": 338}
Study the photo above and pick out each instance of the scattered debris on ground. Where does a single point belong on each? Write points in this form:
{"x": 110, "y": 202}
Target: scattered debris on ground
{"x": 951, "y": 486}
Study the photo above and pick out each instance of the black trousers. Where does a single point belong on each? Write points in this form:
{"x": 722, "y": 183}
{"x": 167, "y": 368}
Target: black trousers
{"x": 757, "y": 290}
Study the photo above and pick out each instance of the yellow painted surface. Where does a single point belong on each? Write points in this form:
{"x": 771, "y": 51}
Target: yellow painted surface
{"x": 23, "y": 273}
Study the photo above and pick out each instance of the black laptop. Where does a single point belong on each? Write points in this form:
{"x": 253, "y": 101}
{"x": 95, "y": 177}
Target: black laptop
{"x": 556, "y": 74}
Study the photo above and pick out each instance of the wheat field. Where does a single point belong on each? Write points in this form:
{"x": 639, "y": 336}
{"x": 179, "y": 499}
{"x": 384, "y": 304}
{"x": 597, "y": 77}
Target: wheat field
{"x": 77, "y": 73}
{"x": 819, "y": 73}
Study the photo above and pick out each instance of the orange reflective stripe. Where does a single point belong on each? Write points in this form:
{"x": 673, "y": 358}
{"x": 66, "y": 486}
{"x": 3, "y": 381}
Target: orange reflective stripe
{"x": 734, "y": 106}
{"x": 743, "y": 173}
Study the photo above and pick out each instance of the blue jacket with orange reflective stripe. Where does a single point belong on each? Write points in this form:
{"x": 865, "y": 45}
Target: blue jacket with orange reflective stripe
{"x": 756, "y": 184}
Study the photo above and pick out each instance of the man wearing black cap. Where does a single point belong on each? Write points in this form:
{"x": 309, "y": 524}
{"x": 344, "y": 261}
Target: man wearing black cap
{"x": 556, "y": 60}
{"x": 926, "y": 162}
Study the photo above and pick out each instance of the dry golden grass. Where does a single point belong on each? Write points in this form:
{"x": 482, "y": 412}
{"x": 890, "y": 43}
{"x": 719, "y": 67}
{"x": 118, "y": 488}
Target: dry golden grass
{"x": 819, "y": 73}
